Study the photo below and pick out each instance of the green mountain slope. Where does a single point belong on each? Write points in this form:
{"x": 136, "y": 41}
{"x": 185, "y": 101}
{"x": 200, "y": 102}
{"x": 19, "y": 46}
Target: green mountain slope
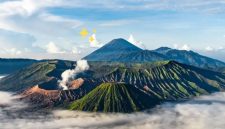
{"x": 35, "y": 74}
{"x": 170, "y": 81}
{"x": 115, "y": 97}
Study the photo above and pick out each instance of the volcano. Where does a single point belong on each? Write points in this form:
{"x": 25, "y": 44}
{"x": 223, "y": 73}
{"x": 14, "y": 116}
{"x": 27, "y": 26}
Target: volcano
{"x": 112, "y": 50}
{"x": 115, "y": 97}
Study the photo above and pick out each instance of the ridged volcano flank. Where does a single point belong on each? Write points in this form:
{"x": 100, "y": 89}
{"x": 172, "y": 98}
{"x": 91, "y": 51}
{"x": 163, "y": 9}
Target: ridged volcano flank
{"x": 112, "y": 51}
{"x": 115, "y": 97}
{"x": 169, "y": 80}
{"x": 142, "y": 56}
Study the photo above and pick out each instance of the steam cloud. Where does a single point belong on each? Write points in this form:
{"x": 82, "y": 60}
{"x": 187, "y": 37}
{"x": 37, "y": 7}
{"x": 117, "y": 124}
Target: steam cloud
{"x": 70, "y": 74}
{"x": 206, "y": 112}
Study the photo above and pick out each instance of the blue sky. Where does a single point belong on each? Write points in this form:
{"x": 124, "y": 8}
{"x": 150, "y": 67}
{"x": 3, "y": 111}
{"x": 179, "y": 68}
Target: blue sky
{"x": 50, "y": 28}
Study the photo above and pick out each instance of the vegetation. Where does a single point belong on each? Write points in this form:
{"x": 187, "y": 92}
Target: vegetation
{"x": 35, "y": 74}
{"x": 115, "y": 97}
{"x": 170, "y": 81}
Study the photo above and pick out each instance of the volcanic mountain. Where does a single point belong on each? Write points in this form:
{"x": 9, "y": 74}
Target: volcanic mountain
{"x": 112, "y": 50}
{"x": 190, "y": 57}
{"x": 41, "y": 96}
{"x": 120, "y": 50}
{"x": 115, "y": 97}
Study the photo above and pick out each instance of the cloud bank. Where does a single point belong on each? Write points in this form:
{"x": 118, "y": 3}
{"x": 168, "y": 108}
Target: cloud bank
{"x": 206, "y": 112}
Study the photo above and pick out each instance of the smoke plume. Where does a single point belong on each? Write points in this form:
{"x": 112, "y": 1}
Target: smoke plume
{"x": 70, "y": 74}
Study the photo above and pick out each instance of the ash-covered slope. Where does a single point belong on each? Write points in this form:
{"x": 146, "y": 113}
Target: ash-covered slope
{"x": 41, "y": 96}
{"x": 142, "y": 56}
{"x": 169, "y": 80}
{"x": 115, "y": 97}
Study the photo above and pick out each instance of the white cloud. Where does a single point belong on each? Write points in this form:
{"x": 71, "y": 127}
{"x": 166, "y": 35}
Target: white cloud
{"x": 10, "y": 51}
{"x": 135, "y": 42}
{"x": 75, "y": 50}
{"x": 13, "y": 51}
{"x": 214, "y": 49}
{"x": 94, "y": 42}
{"x": 29, "y": 22}
{"x": 53, "y": 49}
{"x": 53, "y": 18}
{"x": 208, "y": 48}
{"x": 185, "y": 47}
{"x": 25, "y": 7}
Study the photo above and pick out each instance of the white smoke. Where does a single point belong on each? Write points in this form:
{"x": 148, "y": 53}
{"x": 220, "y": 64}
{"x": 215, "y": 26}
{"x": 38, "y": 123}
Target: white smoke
{"x": 70, "y": 74}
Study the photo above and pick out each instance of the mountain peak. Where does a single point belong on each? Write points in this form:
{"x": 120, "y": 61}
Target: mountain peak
{"x": 163, "y": 49}
{"x": 120, "y": 39}
{"x": 122, "y": 43}
{"x": 113, "y": 49}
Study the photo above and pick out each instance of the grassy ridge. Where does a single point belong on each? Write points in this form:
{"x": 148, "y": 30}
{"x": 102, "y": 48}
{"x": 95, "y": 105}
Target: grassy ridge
{"x": 35, "y": 74}
{"x": 171, "y": 81}
{"x": 114, "y": 97}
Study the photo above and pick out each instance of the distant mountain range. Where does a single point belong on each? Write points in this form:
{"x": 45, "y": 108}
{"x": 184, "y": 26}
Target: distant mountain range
{"x": 121, "y": 78}
{"x": 8, "y": 66}
{"x": 190, "y": 57}
{"x": 120, "y": 50}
